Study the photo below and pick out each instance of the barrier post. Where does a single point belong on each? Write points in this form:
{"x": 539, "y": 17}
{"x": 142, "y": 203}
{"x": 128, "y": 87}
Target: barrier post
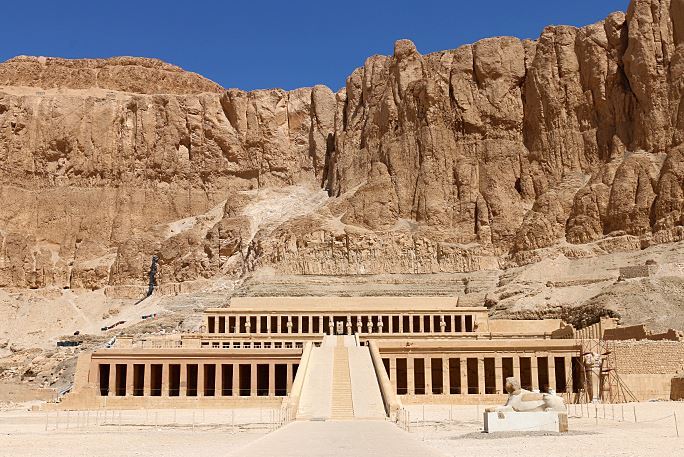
{"x": 676, "y": 425}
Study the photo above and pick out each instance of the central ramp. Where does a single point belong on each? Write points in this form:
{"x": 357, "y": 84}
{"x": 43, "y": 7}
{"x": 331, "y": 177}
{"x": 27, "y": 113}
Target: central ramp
{"x": 340, "y": 383}
{"x": 344, "y": 438}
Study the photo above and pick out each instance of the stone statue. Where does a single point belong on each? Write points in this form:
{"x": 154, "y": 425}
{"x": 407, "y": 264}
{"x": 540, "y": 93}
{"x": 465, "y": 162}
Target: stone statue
{"x": 593, "y": 363}
{"x": 521, "y": 400}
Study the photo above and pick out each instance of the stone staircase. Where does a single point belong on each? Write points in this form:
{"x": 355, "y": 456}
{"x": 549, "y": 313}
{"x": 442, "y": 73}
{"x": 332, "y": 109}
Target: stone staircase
{"x": 340, "y": 383}
{"x": 342, "y": 405}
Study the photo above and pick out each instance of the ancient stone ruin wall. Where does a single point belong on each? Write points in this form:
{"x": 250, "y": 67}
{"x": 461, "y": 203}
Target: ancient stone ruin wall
{"x": 638, "y": 271}
{"x": 649, "y": 357}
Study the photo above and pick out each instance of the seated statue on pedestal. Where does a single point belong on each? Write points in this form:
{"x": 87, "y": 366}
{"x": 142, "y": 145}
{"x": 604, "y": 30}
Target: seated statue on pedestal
{"x": 522, "y": 401}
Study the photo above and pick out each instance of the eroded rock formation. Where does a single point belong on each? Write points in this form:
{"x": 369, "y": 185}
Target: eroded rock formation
{"x": 454, "y": 161}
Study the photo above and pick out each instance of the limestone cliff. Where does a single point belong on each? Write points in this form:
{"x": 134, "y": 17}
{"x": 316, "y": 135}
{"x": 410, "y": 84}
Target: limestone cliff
{"x": 486, "y": 156}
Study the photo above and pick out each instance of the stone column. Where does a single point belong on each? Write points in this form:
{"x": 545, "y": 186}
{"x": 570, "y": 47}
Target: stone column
{"x": 401, "y": 324}
{"x": 129, "y": 379}
{"x": 165, "y": 380}
{"x": 289, "y": 378}
{"x": 410, "y": 376}
{"x": 183, "y": 385}
{"x": 258, "y": 323}
{"x": 279, "y": 324}
{"x": 393, "y": 372}
{"x": 200, "y": 379}
{"x": 147, "y": 380}
{"x": 112, "y": 379}
{"x": 289, "y": 324}
{"x": 253, "y": 379}
{"x": 236, "y": 380}
{"x": 390, "y": 324}
{"x": 481, "y": 376}
{"x": 248, "y": 325}
{"x": 463, "y": 329}
{"x": 516, "y": 367}
{"x": 320, "y": 325}
{"x": 442, "y": 324}
{"x": 498, "y": 374}
{"x": 218, "y": 387}
{"x": 359, "y": 324}
{"x": 380, "y": 324}
{"x": 453, "y": 323}
{"x": 568, "y": 374}
{"x": 552, "y": 372}
{"x": 534, "y": 371}
{"x": 370, "y": 324}
{"x": 349, "y": 325}
{"x": 463, "y": 360}
{"x": 445, "y": 376}
{"x": 427, "y": 364}
{"x": 271, "y": 379}
{"x": 421, "y": 324}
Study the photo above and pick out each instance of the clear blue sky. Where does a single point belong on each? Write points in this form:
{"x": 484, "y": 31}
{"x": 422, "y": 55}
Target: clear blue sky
{"x": 253, "y": 44}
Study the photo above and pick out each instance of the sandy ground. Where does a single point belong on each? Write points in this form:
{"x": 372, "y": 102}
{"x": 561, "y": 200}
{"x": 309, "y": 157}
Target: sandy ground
{"x": 450, "y": 431}
{"x": 654, "y": 432}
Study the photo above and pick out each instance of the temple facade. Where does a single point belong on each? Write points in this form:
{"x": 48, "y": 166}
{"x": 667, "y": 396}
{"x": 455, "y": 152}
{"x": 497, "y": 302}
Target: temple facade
{"x": 261, "y": 350}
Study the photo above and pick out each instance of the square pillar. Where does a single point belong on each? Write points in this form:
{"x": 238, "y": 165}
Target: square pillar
{"x": 112, "y": 379}
{"x": 253, "y": 380}
{"x": 480, "y": 375}
{"x": 552, "y": 372}
{"x": 463, "y": 328}
{"x": 183, "y": 386}
{"x": 236, "y": 380}
{"x": 410, "y": 329}
{"x": 446, "y": 388}
{"x": 200, "y": 380}
{"x": 393, "y": 372}
{"x": 218, "y": 386}
{"x": 410, "y": 376}
{"x": 568, "y": 374}
{"x": 498, "y": 374}
{"x": 427, "y": 364}
{"x": 279, "y": 324}
{"x": 258, "y": 323}
{"x": 165, "y": 380}
{"x": 516, "y": 367}
{"x": 534, "y": 371}
{"x": 129, "y": 379}
{"x": 421, "y": 324}
{"x": 289, "y": 378}
{"x": 463, "y": 360}
{"x": 453, "y": 322}
{"x": 271, "y": 379}
{"x": 147, "y": 380}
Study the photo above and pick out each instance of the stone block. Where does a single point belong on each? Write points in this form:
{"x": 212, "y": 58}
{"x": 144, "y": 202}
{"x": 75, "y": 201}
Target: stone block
{"x": 510, "y": 421}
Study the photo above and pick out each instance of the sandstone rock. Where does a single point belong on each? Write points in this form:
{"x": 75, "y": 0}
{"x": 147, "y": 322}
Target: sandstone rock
{"x": 493, "y": 154}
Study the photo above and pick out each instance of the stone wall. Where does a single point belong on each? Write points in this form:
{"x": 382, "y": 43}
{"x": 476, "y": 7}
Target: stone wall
{"x": 638, "y": 271}
{"x": 649, "y": 357}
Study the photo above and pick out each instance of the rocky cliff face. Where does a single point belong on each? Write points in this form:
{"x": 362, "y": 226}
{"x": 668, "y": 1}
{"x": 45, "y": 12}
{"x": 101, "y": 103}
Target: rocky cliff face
{"x": 489, "y": 155}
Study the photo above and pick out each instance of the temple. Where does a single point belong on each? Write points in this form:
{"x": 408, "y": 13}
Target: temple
{"x": 351, "y": 356}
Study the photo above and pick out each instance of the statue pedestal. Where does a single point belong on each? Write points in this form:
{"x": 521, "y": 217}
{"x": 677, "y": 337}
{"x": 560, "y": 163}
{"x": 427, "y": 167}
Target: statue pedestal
{"x": 542, "y": 421}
